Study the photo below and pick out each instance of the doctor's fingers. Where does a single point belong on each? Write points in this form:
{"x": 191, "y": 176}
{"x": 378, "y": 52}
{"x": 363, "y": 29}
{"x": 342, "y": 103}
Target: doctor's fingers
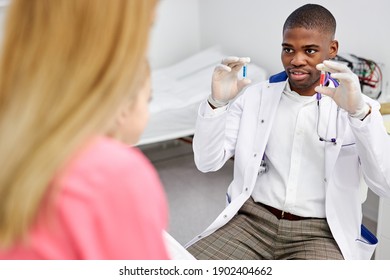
{"x": 223, "y": 67}
{"x": 240, "y": 63}
{"x": 326, "y": 91}
{"x": 346, "y": 77}
{"x": 235, "y": 62}
{"x": 243, "y": 83}
{"x": 229, "y": 60}
{"x": 333, "y": 67}
{"x": 221, "y": 70}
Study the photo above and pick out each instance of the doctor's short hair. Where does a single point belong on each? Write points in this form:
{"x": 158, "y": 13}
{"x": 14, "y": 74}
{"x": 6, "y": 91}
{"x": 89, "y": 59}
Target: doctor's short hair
{"x": 312, "y": 16}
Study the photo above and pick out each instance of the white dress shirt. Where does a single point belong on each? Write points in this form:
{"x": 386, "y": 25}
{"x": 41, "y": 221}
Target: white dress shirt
{"x": 295, "y": 157}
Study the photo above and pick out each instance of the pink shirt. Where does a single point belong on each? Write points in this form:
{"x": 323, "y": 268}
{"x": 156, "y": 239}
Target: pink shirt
{"x": 110, "y": 205}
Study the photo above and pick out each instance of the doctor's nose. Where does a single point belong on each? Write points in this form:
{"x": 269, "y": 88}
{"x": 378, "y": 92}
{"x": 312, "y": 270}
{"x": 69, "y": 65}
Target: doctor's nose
{"x": 298, "y": 60}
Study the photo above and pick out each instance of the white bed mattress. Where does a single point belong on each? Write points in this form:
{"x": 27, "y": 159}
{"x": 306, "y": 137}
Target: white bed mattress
{"x": 177, "y": 92}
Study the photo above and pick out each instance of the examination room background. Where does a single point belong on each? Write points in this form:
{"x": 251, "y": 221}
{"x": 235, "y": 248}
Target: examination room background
{"x": 254, "y": 28}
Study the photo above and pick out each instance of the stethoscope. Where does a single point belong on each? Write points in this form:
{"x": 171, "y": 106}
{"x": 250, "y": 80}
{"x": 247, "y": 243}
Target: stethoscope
{"x": 325, "y": 78}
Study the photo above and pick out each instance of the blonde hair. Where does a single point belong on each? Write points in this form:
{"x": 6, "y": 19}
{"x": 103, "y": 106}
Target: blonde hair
{"x": 65, "y": 67}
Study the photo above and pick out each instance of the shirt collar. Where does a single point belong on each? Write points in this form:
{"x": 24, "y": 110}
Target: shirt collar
{"x": 293, "y": 95}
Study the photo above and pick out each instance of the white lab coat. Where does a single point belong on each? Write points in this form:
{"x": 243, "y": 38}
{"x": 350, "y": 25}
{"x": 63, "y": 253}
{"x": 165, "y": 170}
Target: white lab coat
{"x": 243, "y": 131}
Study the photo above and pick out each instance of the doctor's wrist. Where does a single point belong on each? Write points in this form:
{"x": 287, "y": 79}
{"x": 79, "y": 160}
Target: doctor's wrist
{"x": 367, "y": 114}
{"x": 363, "y": 113}
{"x": 216, "y": 103}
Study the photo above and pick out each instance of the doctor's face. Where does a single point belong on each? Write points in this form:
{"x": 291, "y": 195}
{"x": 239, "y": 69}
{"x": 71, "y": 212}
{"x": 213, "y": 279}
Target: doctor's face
{"x": 302, "y": 50}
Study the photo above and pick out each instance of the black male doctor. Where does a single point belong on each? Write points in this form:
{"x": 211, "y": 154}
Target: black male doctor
{"x": 300, "y": 153}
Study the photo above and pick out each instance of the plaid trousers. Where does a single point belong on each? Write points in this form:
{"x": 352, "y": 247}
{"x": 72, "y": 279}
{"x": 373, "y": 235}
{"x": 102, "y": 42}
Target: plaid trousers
{"x": 256, "y": 234}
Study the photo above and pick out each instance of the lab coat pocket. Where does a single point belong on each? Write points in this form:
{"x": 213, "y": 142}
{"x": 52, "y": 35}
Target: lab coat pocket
{"x": 365, "y": 250}
{"x": 345, "y": 145}
{"x": 366, "y": 244}
{"x": 348, "y": 148}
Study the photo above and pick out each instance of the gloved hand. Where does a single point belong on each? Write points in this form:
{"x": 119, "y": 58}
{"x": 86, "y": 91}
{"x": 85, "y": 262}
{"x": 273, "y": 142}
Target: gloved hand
{"x": 348, "y": 94}
{"x": 225, "y": 84}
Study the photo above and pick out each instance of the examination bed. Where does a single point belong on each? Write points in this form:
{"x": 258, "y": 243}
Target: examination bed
{"x": 178, "y": 90}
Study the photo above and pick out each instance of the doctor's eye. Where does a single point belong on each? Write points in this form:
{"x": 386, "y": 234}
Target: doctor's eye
{"x": 311, "y": 51}
{"x": 288, "y": 50}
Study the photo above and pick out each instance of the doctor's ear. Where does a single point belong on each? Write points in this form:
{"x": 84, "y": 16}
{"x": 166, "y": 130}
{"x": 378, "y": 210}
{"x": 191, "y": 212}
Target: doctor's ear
{"x": 333, "y": 49}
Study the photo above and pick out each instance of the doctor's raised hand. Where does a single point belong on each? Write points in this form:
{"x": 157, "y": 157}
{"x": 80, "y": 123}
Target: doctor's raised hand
{"x": 225, "y": 83}
{"x": 348, "y": 94}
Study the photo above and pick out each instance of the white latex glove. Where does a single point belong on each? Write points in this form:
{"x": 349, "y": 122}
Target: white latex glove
{"x": 348, "y": 94}
{"x": 225, "y": 84}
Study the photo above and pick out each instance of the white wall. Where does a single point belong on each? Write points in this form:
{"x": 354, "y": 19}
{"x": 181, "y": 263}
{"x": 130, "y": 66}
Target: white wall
{"x": 176, "y": 32}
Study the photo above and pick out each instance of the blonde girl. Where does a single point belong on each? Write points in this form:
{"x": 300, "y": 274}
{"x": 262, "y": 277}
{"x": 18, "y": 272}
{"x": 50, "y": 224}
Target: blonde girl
{"x": 67, "y": 191}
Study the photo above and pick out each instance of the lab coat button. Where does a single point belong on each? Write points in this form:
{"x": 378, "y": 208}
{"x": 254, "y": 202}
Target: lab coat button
{"x": 325, "y": 180}
{"x": 199, "y": 236}
{"x": 246, "y": 189}
{"x": 225, "y": 216}
{"x": 255, "y": 155}
{"x": 262, "y": 121}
